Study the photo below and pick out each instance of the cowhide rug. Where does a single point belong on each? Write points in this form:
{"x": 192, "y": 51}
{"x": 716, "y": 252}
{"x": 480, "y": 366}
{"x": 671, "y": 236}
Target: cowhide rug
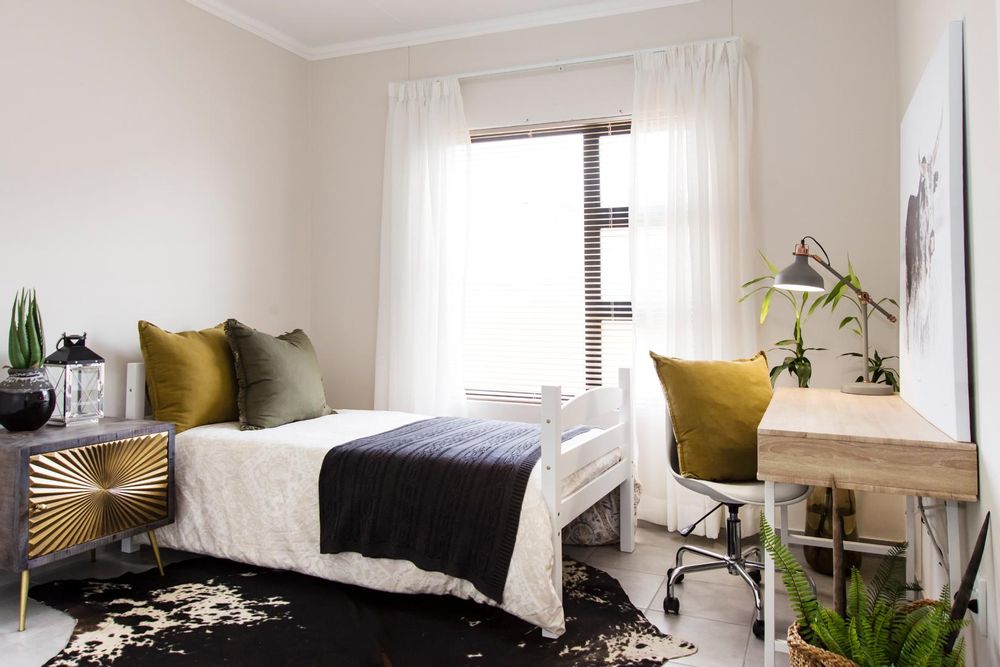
{"x": 212, "y": 612}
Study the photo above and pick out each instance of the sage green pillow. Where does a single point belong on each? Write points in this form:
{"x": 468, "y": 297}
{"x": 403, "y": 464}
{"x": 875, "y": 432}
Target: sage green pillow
{"x": 278, "y": 377}
{"x": 715, "y": 408}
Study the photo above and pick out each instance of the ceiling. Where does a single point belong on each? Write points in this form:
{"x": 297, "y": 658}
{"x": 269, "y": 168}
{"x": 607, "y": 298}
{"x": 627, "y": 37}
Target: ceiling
{"x": 316, "y": 29}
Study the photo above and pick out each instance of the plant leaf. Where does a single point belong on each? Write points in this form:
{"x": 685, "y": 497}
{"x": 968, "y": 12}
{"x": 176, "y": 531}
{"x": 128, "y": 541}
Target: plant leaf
{"x": 40, "y": 328}
{"x": 751, "y": 293}
{"x": 800, "y": 594}
{"x": 755, "y": 280}
{"x": 14, "y": 340}
{"x": 34, "y": 350}
{"x": 22, "y": 329}
{"x": 847, "y": 320}
{"x": 770, "y": 266}
{"x": 766, "y": 305}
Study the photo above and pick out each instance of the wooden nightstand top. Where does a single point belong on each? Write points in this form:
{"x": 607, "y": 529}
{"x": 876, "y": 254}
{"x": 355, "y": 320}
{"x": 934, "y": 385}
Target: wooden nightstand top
{"x": 50, "y": 437}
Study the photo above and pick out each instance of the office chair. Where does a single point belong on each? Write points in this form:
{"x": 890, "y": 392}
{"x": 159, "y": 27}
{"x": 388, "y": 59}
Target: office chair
{"x": 733, "y": 495}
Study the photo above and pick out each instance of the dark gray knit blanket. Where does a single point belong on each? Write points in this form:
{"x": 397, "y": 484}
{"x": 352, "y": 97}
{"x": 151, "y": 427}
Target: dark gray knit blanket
{"x": 444, "y": 493}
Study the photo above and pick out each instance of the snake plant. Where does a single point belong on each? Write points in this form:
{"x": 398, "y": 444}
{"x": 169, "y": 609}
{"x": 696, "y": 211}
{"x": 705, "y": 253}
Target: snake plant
{"x": 26, "y": 345}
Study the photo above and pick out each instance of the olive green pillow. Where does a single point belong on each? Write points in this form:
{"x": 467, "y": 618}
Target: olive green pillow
{"x": 278, "y": 377}
{"x": 189, "y": 375}
{"x": 715, "y": 408}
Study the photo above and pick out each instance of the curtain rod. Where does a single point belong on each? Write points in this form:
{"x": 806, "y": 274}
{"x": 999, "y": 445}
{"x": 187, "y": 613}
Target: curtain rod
{"x": 552, "y": 64}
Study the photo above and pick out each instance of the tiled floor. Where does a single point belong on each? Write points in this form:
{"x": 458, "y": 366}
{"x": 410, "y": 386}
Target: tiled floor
{"x": 716, "y": 611}
{"x": 716, "y": 608}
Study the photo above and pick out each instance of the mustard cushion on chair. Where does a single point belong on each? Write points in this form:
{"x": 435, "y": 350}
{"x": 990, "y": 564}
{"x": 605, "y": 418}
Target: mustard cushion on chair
{"x": 715, "y": 408}
{"x": 190, "y": 376}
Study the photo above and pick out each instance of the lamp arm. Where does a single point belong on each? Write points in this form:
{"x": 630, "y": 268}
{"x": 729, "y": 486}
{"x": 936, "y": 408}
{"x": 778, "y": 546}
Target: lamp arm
{"x": 863, "y": 295}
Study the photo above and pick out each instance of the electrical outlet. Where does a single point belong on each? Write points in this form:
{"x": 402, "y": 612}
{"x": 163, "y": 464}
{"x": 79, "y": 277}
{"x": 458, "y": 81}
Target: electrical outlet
{"x": 981, "y": 619}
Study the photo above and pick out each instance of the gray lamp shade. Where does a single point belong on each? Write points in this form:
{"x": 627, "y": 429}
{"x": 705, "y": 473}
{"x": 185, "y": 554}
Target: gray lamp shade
{"x": 799, "y": 276}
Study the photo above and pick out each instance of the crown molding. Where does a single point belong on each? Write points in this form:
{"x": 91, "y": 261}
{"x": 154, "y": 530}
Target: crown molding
{"x": 220, "y": 9}
{"x": 590, "y": 10}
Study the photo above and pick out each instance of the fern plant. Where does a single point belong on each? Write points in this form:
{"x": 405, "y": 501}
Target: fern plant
{"x": 880, "y": 627}
{"x": 26, "y": 343}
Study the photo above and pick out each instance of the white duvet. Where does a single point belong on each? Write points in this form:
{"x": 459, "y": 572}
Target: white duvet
{"x": 252, "y": 496}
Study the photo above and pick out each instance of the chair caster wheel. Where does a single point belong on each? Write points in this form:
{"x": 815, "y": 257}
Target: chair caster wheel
{"x": 758, "y": 629}
{"x": 755, "y": 575}
{"x": 676, "y": 581}
{"x": 671, "y": 605}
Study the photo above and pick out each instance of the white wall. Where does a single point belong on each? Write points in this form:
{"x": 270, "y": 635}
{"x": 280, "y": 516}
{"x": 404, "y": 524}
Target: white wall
{"x": 184, "y": 158}
{"x": 825, "y": 155}
{"x": 920, "y": 25}
{"x": 152, "y": 165}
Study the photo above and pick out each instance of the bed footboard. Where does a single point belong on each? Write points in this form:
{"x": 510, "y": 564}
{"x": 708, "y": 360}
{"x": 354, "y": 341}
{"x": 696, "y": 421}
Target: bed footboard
{"x": 591, "y": 407}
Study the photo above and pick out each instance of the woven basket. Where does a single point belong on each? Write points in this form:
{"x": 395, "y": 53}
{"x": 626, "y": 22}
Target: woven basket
{"x": 803, "y": 654}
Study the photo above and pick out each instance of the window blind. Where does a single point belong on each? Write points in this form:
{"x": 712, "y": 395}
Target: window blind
{"x": 548, "y": 277}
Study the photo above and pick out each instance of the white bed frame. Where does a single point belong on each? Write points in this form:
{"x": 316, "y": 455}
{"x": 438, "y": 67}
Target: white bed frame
{"x": 595, "y": 407}
{"x": 591, "y": 407}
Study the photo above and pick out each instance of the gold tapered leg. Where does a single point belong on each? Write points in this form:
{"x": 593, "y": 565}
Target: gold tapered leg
{"x": 25, "y": 582}
{"x": 156, "y": 551}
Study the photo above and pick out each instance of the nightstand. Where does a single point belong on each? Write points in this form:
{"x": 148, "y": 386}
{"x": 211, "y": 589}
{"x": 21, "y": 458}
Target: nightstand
{"x": 67, "y": 489}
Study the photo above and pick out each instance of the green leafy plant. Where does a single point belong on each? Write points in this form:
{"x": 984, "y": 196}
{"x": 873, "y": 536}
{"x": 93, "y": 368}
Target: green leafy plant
{"x": 26, "y": 344}
{"x": 879, "y": 372}
{"x": 796, "y": 362}
{"x": 879, "y": 626}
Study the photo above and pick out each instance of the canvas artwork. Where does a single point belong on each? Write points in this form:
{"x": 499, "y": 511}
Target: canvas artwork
{"x": 934, "y": 368}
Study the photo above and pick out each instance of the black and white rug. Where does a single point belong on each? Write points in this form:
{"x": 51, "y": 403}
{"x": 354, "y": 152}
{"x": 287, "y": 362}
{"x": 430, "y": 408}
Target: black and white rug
{"x": 217, "y": 612}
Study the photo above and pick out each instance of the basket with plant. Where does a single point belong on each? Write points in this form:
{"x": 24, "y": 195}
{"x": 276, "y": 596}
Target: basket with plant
{"x": 872, "y": 624}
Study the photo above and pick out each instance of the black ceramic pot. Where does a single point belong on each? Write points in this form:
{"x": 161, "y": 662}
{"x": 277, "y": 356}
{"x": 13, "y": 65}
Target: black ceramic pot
{"x": 27, "y": 399}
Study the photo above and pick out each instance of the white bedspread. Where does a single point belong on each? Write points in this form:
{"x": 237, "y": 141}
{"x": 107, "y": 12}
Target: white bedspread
{"x": 252, "y": 496}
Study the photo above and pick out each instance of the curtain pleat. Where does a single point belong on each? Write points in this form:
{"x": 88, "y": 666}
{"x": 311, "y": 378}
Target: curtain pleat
{"x": 691, "y": 241}
{"x": 418, "y": 357}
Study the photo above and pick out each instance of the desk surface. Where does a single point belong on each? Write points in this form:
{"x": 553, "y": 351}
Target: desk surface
{"x": 870, "y": 443}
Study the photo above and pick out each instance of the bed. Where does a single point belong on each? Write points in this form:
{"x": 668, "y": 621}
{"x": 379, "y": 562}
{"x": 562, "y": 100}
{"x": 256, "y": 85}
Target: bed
{"x": 251, "y": 496}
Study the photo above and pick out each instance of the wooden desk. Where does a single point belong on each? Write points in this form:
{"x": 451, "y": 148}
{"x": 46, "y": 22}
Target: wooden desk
{"x": 866, "y": 443}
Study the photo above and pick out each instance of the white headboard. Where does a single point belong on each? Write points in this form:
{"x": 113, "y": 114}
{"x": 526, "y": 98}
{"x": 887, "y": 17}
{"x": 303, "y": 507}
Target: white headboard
{"x": 135, "y": 390}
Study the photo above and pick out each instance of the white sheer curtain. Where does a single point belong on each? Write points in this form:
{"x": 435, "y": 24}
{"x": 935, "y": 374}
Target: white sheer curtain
{"x": 691, "y": 237}
{"x": 418, "y": 354}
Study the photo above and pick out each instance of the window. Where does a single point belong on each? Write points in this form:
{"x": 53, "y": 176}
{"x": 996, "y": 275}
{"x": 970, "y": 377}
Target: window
{"x": 547, "y": 299}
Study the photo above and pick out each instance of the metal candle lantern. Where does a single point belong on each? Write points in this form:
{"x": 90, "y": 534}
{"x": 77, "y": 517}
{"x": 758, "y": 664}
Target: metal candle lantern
{"x": 77, "y": 373}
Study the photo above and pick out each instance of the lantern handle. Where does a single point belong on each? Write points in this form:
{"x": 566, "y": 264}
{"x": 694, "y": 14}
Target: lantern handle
{"x": 71, "y": 339}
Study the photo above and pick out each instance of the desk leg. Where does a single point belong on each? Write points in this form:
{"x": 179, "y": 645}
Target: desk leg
{"x": 911, "y": 541}
{"x": 768, "y": 581}
{"x": 955, "y": 561}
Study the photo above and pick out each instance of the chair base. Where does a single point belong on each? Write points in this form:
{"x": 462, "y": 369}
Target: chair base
{"x": 736, "y": 562}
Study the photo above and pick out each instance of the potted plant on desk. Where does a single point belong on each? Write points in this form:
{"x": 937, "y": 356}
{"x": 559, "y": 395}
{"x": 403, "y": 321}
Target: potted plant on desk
{"x": 879, "y": 371}
{"x": 796, "y": 362}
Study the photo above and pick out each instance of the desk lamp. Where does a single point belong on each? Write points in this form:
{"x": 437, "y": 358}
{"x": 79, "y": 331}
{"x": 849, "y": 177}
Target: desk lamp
{"x": 799, "y": 276}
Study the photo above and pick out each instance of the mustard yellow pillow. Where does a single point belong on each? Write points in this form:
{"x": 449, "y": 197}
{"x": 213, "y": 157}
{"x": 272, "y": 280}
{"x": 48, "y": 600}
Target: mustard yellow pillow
{"x": 190, "y": 376}
{"x": 715, "y": 408}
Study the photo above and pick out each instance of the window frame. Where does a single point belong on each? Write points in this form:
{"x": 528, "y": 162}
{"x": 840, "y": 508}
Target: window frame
{"x": 595, "y": 218}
